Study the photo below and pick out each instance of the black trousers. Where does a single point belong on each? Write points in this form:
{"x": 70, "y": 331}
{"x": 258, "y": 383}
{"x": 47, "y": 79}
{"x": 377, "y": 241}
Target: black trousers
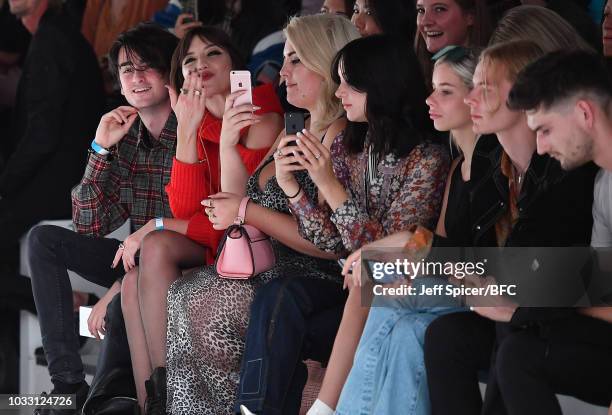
{"x": 531, "y": 370}
{"x": 527, "y": 368}
{"x": 458, "y": 349}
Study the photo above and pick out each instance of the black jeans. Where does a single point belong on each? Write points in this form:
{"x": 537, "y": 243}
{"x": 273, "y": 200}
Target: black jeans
{"x": 530, "y": 370}
{"x": 52, "y": 252}
{"x": 527, "y": 366}
{"x": 292, "y": 319}
{"x": 458, "y": 347}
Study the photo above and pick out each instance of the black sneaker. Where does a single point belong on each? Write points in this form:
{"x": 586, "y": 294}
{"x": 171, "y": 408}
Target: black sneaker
{"x": 155, "y": 404}
{"x": 81, "y": 396}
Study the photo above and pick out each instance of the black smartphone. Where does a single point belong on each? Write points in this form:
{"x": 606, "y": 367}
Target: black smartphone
{"x": 191, "y": 7}
{"x": 294, "y": 123}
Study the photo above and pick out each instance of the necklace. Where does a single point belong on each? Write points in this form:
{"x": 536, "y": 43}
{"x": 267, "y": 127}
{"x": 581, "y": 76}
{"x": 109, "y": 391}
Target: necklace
{"x": 207, "y": 160}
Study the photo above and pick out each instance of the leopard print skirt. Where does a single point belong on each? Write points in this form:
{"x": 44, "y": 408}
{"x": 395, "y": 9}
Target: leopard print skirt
{"x": 207, "y": 323}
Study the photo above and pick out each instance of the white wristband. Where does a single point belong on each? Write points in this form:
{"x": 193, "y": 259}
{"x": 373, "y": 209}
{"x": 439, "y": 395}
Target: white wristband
{"x": 159, "y": 224}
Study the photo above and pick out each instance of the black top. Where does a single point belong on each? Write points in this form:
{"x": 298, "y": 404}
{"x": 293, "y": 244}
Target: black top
{"x": 60, "y": 100}
{"x": 457, "y": 204}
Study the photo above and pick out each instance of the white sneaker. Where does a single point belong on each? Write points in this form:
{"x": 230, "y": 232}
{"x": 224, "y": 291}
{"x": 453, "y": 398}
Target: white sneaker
{"x": 320, "y": 408}
{"x": 245, "y": 411}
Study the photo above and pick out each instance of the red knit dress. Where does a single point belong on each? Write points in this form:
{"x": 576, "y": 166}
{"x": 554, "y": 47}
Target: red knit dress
{"x": 191, "y": 183}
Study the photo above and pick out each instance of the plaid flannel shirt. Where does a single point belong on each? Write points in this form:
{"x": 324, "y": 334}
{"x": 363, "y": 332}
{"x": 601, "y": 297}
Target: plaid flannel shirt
{"x": 128, "y": 183}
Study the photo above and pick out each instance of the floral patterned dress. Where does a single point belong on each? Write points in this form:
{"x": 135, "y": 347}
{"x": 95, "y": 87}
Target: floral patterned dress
{"x": 208, "y": 317}
{"x": 403, "y": 192}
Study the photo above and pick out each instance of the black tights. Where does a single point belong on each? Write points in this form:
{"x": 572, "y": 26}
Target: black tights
{"x": 163, "y": 255}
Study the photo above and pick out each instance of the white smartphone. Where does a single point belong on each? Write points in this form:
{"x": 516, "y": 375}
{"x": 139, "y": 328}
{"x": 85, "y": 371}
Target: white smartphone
{"x": 241, "y": 81}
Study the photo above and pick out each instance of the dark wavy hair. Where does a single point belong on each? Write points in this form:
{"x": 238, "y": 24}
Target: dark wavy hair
{"x": 395, "y": 18}
{"x": 152, "y": 44}
{"x": 256, "y": 20}
{"x": 209, "y": 34}
{"x": 390, "y": 75}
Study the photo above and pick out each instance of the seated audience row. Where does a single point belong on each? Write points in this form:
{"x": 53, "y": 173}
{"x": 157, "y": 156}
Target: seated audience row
{"x": 183, "y": 161}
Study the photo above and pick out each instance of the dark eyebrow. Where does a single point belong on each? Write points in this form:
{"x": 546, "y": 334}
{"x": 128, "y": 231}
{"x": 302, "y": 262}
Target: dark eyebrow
{"x": 212, "y": 45}
{"x": 126, "y": 63}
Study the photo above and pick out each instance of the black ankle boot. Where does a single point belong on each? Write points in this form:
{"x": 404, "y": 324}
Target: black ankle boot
{"x": 155, "y": 403}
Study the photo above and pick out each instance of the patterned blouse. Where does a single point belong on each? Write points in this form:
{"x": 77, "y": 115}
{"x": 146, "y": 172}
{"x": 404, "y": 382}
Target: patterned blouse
{"x": 404, "y": 192}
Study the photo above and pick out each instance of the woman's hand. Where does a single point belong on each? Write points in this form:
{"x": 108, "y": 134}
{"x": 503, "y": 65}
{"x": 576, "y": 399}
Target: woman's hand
{"x": 235, "y": 119}
{"x": 316, "y": 158}
{"x": 222, "y": 209}
{"x": 188, "y": 105}
{"x": 285, "y": 164}
{"x": 181, "y": 27}
{"x": 95, "y": 322}
{"x": 352, "y": 270}
{"x": 128, "y": 249}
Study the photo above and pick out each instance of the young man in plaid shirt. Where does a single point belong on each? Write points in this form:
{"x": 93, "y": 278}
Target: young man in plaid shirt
{"x": 129, "y": 165}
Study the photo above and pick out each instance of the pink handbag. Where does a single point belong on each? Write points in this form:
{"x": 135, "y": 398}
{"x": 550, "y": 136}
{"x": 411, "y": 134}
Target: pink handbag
{"x": 245, "y": 251}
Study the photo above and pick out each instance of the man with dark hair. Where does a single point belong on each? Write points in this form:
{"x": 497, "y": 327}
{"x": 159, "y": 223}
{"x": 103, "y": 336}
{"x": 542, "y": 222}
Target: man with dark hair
{"x": 129, "y": 165}
{"x": 567, "y": 96}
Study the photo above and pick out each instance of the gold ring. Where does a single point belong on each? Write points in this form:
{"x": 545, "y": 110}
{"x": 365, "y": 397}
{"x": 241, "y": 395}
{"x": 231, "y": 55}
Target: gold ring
{"x": 279, "y": 154}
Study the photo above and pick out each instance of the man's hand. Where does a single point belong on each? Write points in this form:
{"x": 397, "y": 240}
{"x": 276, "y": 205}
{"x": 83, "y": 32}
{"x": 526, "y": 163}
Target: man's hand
{"x": 115, "y": 125}
{"x": 95, "y": 322}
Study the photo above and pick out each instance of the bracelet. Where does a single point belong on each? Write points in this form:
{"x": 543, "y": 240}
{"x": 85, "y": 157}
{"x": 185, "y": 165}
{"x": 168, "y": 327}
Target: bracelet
{"x": 98, "y": 148}
{"x": 296, "y": 193}
{"x": 159, "y": 224}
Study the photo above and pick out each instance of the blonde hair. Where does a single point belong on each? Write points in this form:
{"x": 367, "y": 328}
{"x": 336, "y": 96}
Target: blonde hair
{"x": 507, "y": 60}
{"x": 316, "y": 40}
{"x": 463, "y": 65}
{"x": 539, "y": 25}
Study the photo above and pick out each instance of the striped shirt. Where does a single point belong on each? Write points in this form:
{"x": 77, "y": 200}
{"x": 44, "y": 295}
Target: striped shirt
{"x": 128, "y": 183}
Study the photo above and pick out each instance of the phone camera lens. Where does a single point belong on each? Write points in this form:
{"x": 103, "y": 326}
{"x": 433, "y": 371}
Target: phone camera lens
{"x": 240, "y": 84}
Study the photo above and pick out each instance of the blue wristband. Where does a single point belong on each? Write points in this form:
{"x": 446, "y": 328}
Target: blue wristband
{"x": 99, "y": 149}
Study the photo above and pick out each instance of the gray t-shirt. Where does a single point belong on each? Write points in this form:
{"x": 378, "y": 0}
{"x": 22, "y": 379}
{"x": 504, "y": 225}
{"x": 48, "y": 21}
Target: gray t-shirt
{"x": 601, "y": 236}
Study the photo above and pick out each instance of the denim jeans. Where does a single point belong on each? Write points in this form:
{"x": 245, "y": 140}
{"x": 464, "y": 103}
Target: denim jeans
{"x": 292, "y": 319}
{"x": 53, "y": 251}
{"x": 388, "y": 374}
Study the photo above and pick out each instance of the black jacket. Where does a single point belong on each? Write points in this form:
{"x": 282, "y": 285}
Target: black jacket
{"x": 60, "y": 100}
{"x": 554, "y": 205}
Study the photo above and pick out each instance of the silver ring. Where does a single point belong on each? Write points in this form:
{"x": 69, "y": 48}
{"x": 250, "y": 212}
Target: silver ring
{"x": 279, "y": 154}
{"x": 121, "y": 246}
{"x": 197, "y": 92}
{"x": 184, "y": 91}
{"x": 317, "y": 156}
